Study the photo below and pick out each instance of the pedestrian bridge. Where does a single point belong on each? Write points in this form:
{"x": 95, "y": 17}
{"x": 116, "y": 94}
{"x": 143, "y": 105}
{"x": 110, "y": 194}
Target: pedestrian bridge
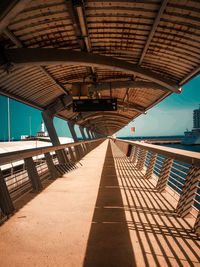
{"x": 98, "y": 203}
{"x": 106, "y": 209}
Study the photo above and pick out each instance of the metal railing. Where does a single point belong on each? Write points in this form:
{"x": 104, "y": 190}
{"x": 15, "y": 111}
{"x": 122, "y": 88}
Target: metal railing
{"x": 26, "y": 170}
{"x": 176, "y": 170}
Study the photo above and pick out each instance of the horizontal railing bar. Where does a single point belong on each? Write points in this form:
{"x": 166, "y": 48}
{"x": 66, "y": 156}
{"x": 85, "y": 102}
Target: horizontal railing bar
{"x": 156, "y": 172}
{"x": 182, "y": 166}
{"x": 157, "y": 160}
{"x": 13, "y": 176}
{"x": 177, "y": 176}
{"x": 179, "y": 170}
{"x": 157, "y": 164}
{"x": 169, "y": 182}
{"x": 16, "y": 182}
{"x": 22, "y": 154}
{"x": 175, "y": 180}
{"x": 196, "y": 201}
{"x": 188, "y": 157}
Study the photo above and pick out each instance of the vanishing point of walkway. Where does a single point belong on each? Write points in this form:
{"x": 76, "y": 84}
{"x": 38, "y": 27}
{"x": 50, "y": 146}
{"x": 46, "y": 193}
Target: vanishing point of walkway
{"x": 102, "y": 214}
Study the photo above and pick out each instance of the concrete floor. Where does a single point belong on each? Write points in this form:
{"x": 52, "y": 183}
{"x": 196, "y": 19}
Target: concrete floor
{"x": 101, "y": 214}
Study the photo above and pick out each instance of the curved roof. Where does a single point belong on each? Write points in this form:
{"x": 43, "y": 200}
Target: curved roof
{"x": 136, "y": 51}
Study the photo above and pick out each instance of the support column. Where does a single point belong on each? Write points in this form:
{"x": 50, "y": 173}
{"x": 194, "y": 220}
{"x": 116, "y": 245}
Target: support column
{"x": 33, "y": 174}
{"x": 88, "y": 133}
{"x": 150, "y": 166}
{"x": 48, "y": 120}
{"x": 78, "y": 151}
{"x": 141, "y": 160}
{"x": 51, "y": 167}
{"x": 186, "y": 199}
{"x": 6, "y": 204}
{"x": 84, "y": 138}
{"x": 94, "y": 135}
{"x": 164, "y": 175}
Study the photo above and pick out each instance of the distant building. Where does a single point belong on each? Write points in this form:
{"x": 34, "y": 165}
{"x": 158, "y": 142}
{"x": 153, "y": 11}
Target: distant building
{"x": 193, "y": 137}
{"x": 196, "y": 118}
{"x": 42, "y": 133}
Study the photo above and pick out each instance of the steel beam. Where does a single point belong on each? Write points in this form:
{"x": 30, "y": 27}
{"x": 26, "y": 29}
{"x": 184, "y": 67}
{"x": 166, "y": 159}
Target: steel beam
{"x": 131, "y": 106}
{"x": 153, "y": 29}
{"x": 125, "y": 84}
{"x": 88, "y": 133}
{"x": 40, "y": 56}
{"x": 59, "y": 104}
{"x": 48, "y": 120}
{"x": 19, "y": 44}
{"x": 33, "y": 174}
{"x": 9, "y": 9}
{"x": 74, "y": 136}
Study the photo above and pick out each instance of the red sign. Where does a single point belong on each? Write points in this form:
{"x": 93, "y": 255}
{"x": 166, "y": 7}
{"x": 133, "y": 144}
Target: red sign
{"x": 132, "y": 129}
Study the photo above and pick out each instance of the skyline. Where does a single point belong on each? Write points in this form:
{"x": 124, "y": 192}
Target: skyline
{"x": 160, "y": 120}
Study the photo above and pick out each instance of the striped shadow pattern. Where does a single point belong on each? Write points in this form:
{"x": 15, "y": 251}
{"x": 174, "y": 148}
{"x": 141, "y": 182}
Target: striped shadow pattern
{"x": 164, "y": 175}
{"x": 186, "y": 200}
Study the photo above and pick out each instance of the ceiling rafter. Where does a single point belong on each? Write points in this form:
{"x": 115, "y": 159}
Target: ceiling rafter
{"x": 9, "y": 10}
{"x": 91, "y": 115}
{"x": 190, "y": 76}
{"x": 103, "y": 119}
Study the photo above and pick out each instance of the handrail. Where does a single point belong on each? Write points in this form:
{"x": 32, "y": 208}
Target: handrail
{"x": 22, "y": 154}
{"x": 32, "y": 173}
{"x": 188, "y": 157}
{"x": 183, "y": 180}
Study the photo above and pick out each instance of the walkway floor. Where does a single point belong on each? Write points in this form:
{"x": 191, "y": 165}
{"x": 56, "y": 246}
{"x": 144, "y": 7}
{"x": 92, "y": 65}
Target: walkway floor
{"x": 102, "y": 214}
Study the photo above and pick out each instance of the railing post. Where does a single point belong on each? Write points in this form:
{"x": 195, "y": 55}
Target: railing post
{"x": 164, "y": 174}
{"x": 186, "y": 199}
{"x": 77, "y": 149}
{"x": 5, "y": 199}
{"x": 150, "y": 166}
{"x": 51, "y": 167}
{"x": 141, "y": 160}
{"x": 71, "y": 154}
{"x": 135, "y": 154}
{"x": 197, "y": 224}
{"x": 33, "y": 174}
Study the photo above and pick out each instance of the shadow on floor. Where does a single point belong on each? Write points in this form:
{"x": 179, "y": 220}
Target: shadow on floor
{"x": 109, "y": 242}
{"x": 161, "y": 238}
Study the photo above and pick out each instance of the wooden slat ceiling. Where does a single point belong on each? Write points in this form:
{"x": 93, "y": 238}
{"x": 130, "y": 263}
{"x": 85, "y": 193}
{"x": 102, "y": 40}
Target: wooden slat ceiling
{"x": 162, "y": 37}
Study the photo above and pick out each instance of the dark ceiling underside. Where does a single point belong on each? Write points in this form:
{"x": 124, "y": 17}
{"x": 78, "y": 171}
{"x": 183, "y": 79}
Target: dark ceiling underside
{"x": 136, "y": 51}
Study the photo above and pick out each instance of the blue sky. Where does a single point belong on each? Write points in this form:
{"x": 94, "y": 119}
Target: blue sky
{"x": 170, "y": 117}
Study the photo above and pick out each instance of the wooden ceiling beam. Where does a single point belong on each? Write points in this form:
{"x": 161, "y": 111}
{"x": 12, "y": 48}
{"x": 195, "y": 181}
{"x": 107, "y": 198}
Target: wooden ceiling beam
{"x": 41, "y": 57}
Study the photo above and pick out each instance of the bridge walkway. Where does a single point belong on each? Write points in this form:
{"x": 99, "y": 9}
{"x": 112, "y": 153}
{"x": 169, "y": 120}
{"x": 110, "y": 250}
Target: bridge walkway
{"x": 104, "y": 213}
